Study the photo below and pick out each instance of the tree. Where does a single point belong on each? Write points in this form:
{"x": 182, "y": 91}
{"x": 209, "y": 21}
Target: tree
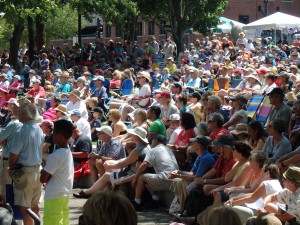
{"x": 182, "y": 15}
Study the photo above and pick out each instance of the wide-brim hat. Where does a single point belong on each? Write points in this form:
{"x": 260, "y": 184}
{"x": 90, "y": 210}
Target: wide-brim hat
{"x": 144, "y": 74}
{"x": 240, "y": 128}
{"x": 293, "y": 174}
{"x": 224, "y": 141}
{"x": 140, "y": 132}
{"x": 62, "y": 108}
{"x": 13, "y": 101}
{"x": 4, "y": 75}
{"x": 254, "y": 77}
{"x": 76, "y": 93}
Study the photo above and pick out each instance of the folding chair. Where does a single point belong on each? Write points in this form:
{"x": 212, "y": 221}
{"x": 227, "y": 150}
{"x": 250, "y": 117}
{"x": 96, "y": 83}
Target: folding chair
{"x": 235, "y": 83}
{"x": 127, "y": 87}
{"x": 264, "y": 111}
{"x": 221, "y": 83}
{"x": 254, "y": 104}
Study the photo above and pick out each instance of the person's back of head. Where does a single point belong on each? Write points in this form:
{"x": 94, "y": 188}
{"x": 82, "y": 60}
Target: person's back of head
{"x": 108, "y": 208}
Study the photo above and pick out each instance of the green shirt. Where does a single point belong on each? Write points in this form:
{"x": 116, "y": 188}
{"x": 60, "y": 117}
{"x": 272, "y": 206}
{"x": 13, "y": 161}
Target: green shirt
{"x": 158, "y": 127}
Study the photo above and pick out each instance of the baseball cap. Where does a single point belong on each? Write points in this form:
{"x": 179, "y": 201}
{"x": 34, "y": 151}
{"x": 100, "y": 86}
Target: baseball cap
{"x": 97, "y": 109}
{"x": 261, "y": 71}
{"x": 195, "y": 95}
{"x": 239, "y": 98}
{"x": 17, "y": 77}
{"x": 177, "y": 85}
{"x": 75, "y": 112}
{"x": 105, "y": 129}
{"x": 48, "y": 123}
{"x": 174, "y": 117}
{"x": 224, "y": 141}
{"x": 160, "y": 138}
{"x": 165, "y": 94}
{"x": 201, "y": 140}
{"x": 277, "y": 91}
{"x": 101, "y": 78}
{"x": 32, "y": 71}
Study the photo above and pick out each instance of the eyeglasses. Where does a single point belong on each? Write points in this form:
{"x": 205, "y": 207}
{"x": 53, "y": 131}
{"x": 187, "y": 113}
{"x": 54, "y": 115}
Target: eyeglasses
{"x": 211, "y": 121}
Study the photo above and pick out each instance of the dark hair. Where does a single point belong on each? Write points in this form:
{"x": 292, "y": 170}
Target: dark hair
{"x": 260, "y": 158}
{"x": 64, "y": 128}
{"x": 278, "y": 125}
{"x": 187, "y": 120}
{"x": 256, "y": 126}
{"x": 270, "y": 77}
{"x": 243, "y": 149}
{"x": 183, "y": 98}
{"x": 156, "y": 110}
{"x": 273, "y": 170}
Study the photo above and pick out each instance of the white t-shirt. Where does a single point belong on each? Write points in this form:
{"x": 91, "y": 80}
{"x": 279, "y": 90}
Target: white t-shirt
{"x": 174, "y": 135}
{"x": 144, "y": 91}
{"x": 242, "y": 113}
{"x": 268, "y": 88}
{"x": 80, "y": 105}
{"x": 60, "y": 166}
{"x": 84, "y": 126}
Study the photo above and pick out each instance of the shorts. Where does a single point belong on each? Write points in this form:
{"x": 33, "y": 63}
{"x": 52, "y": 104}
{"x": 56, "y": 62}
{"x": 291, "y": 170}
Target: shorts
{"x": 31, "y": 194}
{"x": 157, "y": 182}
{"x": 56, "y": 211}
{"x": 117, "y": 176}
{"x": 4, "y": 177}
{"x": 224, "y": 196}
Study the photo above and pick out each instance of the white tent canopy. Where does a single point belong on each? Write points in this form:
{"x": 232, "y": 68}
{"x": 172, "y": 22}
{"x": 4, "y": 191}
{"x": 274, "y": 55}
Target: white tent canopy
{"x": 277, "y": 20}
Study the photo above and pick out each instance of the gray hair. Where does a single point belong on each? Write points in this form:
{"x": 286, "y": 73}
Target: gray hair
{"x": 30, "y": 110}
{"x": 215, "y": 100}
{"x": 218, "y": 118}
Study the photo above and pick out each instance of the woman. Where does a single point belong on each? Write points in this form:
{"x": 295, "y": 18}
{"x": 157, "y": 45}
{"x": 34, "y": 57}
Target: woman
{"x": 195, "y": 81}
{"x": 241, "y": 132}
{"x": 270, "y": 185}
{"x": 3, "y": 100}
{"x": 115, "y": 82}
{"x": 195, "y": 106}
{"x": 139, "y": 137}
{"x": 181, "y": 103}
{"x": 83, "y": 87}
{"x": 239, "y": 113}
{"x": 117, "y": 125}
{"x": 257, "y": 135}
{"x": 37, "y": 91}
{"x": 187, "y": 122}
{"x": 239, "y": 172}
{"x": 15, "y": 85}
{"x": 276, "y": 145}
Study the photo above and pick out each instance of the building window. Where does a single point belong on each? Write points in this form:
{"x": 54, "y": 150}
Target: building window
{"x": 162, "y": 27}
{"x": 139, "y": 29}
{"x": 244, "y": 19}
{"x": 118, "y": 31}
{"x": 150, "y": 28}
{"x": 287, "y": 0}
{"x": 108, "y": 31}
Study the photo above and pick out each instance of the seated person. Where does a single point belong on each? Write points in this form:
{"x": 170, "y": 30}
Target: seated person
{"x": 37, "y": 91}
{"x": 51, "y": 112}
{"x": 96, "y": 122}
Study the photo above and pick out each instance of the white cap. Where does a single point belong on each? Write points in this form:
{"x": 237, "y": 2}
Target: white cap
{"x": 105, "y": 129}
{"x": 174, "y": 117}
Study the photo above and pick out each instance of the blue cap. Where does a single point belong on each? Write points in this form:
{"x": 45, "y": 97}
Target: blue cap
{"x": 31, "y": 71}
{"x": 75, "y": 112}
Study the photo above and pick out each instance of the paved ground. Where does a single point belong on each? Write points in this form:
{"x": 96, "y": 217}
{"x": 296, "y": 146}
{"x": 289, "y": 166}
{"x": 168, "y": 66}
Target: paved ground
{"x": 159, "y": 216}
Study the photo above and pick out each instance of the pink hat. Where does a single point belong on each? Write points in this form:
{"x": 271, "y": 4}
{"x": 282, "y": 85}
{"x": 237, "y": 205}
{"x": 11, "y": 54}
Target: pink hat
{"x": 261, "y": 71}
{"x": 48, "y": 123}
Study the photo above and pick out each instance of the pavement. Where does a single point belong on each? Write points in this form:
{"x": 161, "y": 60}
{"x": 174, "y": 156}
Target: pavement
{"x": 153, "y": 217}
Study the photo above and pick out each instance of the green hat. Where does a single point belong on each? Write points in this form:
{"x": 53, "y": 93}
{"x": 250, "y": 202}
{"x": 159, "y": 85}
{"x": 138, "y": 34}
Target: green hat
{"x": 224, "y": 141}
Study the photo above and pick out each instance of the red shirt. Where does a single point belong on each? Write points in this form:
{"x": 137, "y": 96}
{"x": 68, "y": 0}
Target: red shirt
{"x": 35, "y": 92}
{"x": 223, "y": 166}
{"x": 115, "y": 83}
{"x": 184, "y": 137}
{"x": 219, "y": 134}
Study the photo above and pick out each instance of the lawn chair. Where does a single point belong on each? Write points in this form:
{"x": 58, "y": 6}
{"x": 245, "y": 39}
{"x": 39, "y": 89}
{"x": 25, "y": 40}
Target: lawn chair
{"x": 127, "y": 87}
{"x": 235, "y": 83}
{"x": 254, "y": 104}
{"x": 264, "y": 111}
{"x": 221, "y": 83}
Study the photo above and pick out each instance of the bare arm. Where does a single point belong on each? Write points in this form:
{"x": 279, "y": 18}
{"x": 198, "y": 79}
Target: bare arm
{"x": 45, "y": 176}
{"x": 258, "y": 193}
{"x": 121, "y": 163}
{"x": 232, "y": 121}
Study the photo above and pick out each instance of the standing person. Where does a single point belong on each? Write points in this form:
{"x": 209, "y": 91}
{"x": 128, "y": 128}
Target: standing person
{"x": 58, "y": 174}
{"x": 27, "y": 151}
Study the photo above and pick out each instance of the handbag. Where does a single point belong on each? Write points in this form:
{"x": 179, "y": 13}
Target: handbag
{"x": 82, "y": 178}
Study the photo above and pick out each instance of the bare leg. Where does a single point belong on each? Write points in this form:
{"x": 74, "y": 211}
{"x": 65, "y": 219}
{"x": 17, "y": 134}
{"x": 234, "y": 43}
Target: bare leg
{"x": 217, "y": 199}
{"x": 26, "y": 218}
{"x": 93, "y": 169}
{"x": 36, "y": 210}
{"x": 100, "y": 167}
{"x": 140, "y": 186}
{"x": 126, "y": 110}
{"x": 100, "y": 184}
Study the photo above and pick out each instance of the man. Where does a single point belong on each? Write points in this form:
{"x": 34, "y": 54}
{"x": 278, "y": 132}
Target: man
{"x": 176, "y": 89}
{"x": 107, "y": 149}
{"x": 44, "y": 62}
{"x": 6, "y": 137}
{"x": 77, "y": 103}
{"x": 155, "y": 45}
{"x": 168, "y": 107}
{"x": 288, "y": 196}
{"x": 7, "y": 70}
{"x": 81, "y": 147}
{"x": 82, "y": 124}
{"x": 280, "y": 111}
{"x": 27, "y": 152}
{"x": 168, "y": 50}
{"x": 164, "y": 162}
{"x": 64, "y": 86}
{"x": 100, "y": 92}
{"x": 214, "y": 104}
{"x": 157, "y": 126}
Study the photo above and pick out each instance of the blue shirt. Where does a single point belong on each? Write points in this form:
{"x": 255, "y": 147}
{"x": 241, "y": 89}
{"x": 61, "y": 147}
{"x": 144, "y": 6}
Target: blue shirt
{"x": 64, "y": 88}
{"x": 10, "y": 76}
{"x": 194, "y": 82}
{"x": 7, "y": 135}
{"x": 28, "y": 142}
{"x": 203, "y": 164}
{"x": 113, "y": 149}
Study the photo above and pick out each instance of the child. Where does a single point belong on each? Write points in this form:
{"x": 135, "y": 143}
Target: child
{"x": 58, "y": 174}
{"x": 96, "y": 122}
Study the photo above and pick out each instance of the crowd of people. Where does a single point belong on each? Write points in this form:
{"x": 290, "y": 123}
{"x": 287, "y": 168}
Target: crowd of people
{"x": 173, "y": 132}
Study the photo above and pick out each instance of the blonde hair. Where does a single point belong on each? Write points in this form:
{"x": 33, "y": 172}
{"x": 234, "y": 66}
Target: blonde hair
{"x": 116, "y": 114}
{"x": 93, "y": 100}
{"x": 118, "y": 74}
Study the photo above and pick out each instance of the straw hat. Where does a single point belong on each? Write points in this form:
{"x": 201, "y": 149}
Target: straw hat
{"x": 13, "y": 101}
{"x": 62, "y": 108}
{"x": 144, "y": 74}
{"x": 254, "y": 77}
{"x": 140, "y": 132}
{"x": 240, "y": 128}
{"x": 293, "y": 174}
{"x": 76, "y": 93}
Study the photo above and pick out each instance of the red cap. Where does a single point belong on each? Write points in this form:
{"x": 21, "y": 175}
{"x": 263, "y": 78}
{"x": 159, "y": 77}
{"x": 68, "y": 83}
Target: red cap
{"x": 48, "y": 123}
{"x": 165, "y": 94}
{"x": 262, "y": 71}
{"x": 237, "y": 70}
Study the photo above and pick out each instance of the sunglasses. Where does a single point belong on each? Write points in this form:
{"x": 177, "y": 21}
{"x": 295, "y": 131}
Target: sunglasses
{"x": 211, "y": 121}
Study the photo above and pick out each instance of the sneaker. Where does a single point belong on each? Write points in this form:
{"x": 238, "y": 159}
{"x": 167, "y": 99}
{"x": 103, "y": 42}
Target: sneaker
{"x": 81, "y": 194}
{"x": 138, "y": 207}
{"x": 153, "y": 204}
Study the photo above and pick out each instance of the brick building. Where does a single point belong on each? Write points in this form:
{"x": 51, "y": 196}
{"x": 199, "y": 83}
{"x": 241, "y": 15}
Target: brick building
{"x": 247, "y": 11}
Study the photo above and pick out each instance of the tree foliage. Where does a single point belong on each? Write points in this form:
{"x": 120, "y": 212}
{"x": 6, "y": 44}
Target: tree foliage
{"x": 183, "y": 14}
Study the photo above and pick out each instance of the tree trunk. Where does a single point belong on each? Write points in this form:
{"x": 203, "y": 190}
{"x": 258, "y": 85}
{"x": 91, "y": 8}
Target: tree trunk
{"x": 15, "y": 43}
{"x": 79, "y": 28}
{"x": 31, "y": 42}
{"x": 40, "y": 32}
{"x": 178, "y": 39}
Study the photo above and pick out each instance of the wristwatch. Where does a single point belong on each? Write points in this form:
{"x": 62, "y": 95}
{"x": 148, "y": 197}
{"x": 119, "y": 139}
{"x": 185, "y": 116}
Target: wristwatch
{"x": 204, "y": 181}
